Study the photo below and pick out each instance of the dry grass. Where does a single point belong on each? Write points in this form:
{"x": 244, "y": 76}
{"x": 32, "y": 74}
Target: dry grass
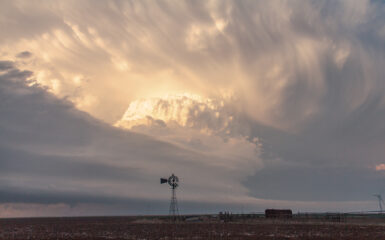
{"x": 131, "y": 228}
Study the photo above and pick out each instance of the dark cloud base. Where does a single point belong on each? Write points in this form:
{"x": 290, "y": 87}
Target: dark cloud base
{"x": 316, "y": 183}
{"x": 24, "y": 54}
{"x": 44, "y": 138}
{"x": 46, "y": 144}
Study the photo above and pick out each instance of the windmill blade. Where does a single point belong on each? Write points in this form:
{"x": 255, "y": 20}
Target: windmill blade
{"x": 163, "y": 180}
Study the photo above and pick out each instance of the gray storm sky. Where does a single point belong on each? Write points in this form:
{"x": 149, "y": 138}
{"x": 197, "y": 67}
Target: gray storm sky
{"x": 253, "y": 104}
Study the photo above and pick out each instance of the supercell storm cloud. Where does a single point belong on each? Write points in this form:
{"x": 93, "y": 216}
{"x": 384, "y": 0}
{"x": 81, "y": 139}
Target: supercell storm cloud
{"x": 251, "y": 103}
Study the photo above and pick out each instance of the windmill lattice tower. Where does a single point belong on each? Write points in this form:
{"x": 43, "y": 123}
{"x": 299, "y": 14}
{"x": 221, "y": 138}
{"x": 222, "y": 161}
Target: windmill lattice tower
{"x": 173, "y": 181}
{"x": 380, "y": 201}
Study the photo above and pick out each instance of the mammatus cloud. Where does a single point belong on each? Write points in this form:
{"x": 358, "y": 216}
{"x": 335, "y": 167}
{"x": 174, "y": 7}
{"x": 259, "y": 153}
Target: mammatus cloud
{"x": 288, "y": 69}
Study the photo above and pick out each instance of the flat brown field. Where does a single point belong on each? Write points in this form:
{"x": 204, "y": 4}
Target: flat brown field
{"x": 131, "y": 228}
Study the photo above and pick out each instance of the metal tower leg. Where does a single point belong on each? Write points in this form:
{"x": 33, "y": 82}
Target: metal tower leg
{"x": 174, "y": 210}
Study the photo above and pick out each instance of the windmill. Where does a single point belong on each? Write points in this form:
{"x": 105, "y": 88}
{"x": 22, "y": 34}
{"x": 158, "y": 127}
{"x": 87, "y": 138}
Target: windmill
{"x": 380, "y": 201}
{"x": 173, "y": 181}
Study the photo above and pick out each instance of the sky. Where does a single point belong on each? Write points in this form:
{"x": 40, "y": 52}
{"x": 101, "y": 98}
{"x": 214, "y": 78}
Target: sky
{"x": 252, "y": 104}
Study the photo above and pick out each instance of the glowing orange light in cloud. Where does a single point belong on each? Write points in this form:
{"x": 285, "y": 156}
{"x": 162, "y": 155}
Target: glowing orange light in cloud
{"x": 380, "y": 167}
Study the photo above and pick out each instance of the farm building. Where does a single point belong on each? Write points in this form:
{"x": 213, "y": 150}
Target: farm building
{"x": 278, "y": 213}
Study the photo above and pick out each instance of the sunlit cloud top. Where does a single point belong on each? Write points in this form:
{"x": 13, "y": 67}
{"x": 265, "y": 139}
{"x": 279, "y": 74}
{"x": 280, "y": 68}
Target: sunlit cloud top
{"x": 288, "y": 61}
